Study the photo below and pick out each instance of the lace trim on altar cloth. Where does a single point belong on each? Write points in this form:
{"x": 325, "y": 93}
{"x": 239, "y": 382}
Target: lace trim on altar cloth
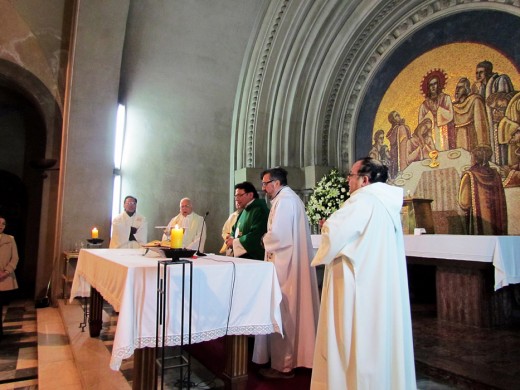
{"x": 247, "y": 330}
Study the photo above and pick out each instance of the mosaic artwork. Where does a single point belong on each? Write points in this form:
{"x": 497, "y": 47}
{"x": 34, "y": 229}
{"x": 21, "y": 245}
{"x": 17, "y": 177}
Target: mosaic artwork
{"x": 448, "y": 126}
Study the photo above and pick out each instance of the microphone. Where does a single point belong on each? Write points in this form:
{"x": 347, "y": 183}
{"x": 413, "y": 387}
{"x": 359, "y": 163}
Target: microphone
{"x": 199, "y": 253}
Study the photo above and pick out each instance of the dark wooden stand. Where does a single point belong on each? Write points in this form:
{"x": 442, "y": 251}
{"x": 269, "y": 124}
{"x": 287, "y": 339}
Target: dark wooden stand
{"x": 417, "y": 213}
{"x": 235, "y": 372}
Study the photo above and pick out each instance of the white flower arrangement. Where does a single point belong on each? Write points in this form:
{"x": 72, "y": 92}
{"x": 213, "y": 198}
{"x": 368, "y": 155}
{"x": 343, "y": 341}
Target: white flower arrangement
{"x": 328, "y": 196}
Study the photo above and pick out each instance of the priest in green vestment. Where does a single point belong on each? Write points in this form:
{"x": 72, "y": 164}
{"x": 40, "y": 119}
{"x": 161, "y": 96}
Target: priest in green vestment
{"x": 251, "y": 225}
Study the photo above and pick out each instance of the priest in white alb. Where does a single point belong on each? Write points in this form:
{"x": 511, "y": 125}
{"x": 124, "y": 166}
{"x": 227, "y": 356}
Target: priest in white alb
{"x": 365, "y": 332}
{"x": 129, "y": 229}
{"x": 194, "y": 235}
{"x": 288, "y": 246}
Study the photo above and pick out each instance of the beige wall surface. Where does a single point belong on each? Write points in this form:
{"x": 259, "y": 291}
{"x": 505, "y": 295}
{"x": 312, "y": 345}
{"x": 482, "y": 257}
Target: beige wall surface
{"x": 89, "y": 121}
{"x": 181, "y": 66}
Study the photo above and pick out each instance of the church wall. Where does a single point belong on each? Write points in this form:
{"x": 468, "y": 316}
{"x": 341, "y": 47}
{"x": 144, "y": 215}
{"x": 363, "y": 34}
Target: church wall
{"x": 85, "y": 194}
{"x": 181, "y": 66}
{"x": 31, "y": 36}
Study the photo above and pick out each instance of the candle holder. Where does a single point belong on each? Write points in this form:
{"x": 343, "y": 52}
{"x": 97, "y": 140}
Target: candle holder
{"x": 95, "y": 241}
{"x": 177, "y": 253}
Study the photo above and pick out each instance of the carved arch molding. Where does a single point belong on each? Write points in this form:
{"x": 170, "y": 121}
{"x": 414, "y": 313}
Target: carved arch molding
{"x": 307, "y": 70}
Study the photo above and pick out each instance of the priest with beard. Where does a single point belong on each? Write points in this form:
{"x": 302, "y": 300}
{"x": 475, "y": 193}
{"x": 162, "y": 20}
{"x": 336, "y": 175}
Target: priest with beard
{"x": 288, "y": 246}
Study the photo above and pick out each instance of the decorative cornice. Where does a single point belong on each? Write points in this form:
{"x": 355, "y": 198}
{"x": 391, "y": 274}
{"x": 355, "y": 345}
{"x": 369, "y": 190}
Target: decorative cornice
{"x": 258, "y": 80}
{"x": 351, "y": 55}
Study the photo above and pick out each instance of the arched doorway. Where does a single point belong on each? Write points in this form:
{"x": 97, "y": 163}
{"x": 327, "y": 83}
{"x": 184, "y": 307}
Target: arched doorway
{"x": 23, "y": 140}
{"x": 30, "y": 137}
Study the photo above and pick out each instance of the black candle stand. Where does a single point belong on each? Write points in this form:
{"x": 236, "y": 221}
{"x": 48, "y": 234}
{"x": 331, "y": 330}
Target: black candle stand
{"x": 177, "y": 253}
{"x": 182, "y": 360}
{"x": 95, "y": 241}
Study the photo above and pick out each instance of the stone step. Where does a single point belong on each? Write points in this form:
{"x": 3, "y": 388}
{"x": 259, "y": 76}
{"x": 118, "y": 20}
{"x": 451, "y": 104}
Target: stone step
{"x": 90, "y": 354}
{"x": 56, "y": 367}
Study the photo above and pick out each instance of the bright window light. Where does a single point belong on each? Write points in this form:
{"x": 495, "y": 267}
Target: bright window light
{"x": 120, "y": 136}
{"x": 118, "y": 158}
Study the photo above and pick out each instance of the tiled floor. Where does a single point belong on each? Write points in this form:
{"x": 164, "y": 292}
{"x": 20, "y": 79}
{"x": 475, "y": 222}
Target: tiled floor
{"x": 200, "y": 376}
{"x": 458, "y": 357}
{"x": 18, "y": 348}
{"x": 468, "y": 357}
{"x": 56, "y": 365}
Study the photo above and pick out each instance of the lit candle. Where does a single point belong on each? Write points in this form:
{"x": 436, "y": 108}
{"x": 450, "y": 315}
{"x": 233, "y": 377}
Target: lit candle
{"x": 95, "y": 233}
{"x": 176, "y": 237}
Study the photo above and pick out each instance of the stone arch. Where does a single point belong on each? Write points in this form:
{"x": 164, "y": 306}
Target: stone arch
{"x": 42, "y": 122}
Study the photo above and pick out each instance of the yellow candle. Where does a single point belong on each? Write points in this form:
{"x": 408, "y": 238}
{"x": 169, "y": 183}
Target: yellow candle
{"x": 176, "y": 237}
{"x": 95, "y": 233}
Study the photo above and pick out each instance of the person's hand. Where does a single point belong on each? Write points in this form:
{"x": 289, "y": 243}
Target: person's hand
{"x": 229, "y": 241}
{"x": 3, "y": 275}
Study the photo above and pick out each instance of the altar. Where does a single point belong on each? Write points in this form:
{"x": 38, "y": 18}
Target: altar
{"x": 472, "y": 274}
{"x": 231, "y": 297}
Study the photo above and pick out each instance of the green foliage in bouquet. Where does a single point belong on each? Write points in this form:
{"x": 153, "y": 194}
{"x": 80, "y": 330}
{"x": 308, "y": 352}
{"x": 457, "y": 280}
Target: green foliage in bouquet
{"x": 329, "y": 194}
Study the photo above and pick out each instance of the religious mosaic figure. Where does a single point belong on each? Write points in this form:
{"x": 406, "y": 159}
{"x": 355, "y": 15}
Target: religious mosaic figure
{"x": 419, "y": 146}
{"x": 513, "y": 172}
{"x": 471, "y": 126}
{"x": 398, "y": 136}
{"x": 508, "y": 126}
{"x": 489, "y": 82}
{"x": 379, "y": 150}
{"x": 498, "y": 103}
{"x": 482, "y": 196}
{"x": 438, "y": 107}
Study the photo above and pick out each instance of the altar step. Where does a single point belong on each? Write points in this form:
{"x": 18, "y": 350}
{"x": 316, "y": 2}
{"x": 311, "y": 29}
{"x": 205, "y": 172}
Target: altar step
{"x": 56, "y": 366}
{"x": 91, "y": 357}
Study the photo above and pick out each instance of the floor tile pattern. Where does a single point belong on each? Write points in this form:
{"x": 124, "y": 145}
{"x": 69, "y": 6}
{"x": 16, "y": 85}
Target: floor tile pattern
{"x": 468, "y": 357}
{"x": 447, "y": 356}
{"x": 200, "y": 378}
{"x": 18, "y": 347}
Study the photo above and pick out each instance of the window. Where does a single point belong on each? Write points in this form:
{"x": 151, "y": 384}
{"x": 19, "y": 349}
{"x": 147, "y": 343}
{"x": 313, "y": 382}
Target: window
{"x": 118, "y": 158}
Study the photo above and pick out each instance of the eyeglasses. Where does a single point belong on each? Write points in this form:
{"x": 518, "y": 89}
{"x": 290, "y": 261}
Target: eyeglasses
{"x": 265, "y": 183}
{"x": 239, "y": 195}
{"x": 350, "y": 174}
{"x": 131, "y": 203}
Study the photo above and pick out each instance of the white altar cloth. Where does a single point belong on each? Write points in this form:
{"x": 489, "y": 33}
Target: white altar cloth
{"x": 128, "y": 281}
{"x": 502, "y": 251}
